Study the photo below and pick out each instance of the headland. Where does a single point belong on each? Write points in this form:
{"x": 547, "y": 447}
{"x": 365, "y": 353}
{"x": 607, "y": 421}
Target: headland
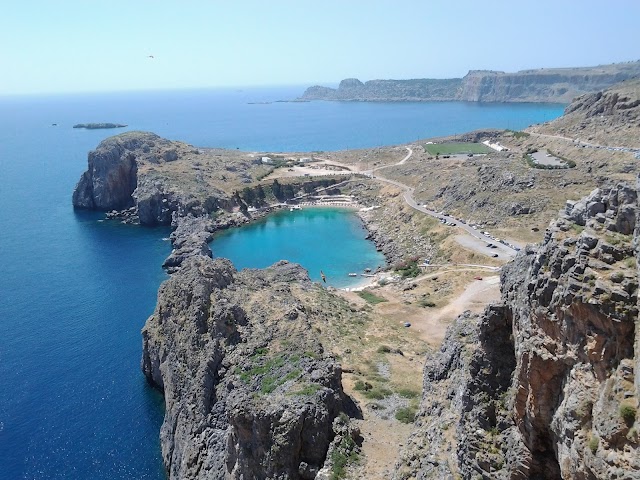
{"x": 552, "y": 85}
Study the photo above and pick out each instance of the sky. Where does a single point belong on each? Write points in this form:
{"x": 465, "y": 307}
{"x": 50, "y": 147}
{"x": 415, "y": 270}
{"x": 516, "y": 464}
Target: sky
{"x": 68, "y": 46}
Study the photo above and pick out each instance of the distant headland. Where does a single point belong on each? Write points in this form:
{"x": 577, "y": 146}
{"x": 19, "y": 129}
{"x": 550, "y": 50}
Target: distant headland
{"x": 97, "y": 126}
{"x": 550, "y": 85}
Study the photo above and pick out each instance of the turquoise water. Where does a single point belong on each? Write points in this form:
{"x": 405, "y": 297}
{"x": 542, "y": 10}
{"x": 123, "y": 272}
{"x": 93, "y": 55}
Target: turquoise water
{"x": 75, "y": 292}
{"x": 331, "y": 240}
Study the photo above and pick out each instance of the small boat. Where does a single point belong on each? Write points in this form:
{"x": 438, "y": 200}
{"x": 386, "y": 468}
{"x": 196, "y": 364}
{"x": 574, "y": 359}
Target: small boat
{"x": 353, "y": 274}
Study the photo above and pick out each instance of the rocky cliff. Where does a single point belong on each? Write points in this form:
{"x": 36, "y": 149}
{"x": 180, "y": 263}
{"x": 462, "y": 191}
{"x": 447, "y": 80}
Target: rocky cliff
{"x": 249, "y": 390}
{"x": 544, "y": 385}
{"x": 610, "y": 117}
{"x": 559, "y": 85}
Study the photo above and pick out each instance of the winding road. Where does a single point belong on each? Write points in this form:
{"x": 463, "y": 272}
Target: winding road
{"x": 477, "y": 240}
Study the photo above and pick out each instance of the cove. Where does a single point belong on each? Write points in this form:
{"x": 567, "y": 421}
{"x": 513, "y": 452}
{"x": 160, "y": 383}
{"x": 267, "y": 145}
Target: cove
{"x": 329, "y": 239}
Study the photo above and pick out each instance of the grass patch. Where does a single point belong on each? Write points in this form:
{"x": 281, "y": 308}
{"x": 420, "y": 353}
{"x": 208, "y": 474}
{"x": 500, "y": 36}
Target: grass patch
{"x": 406, "y": 414}
{"x": 344, "y": 455}
{"x": 408, "y": 393}
{"x": 269, "y": 365}
{"x": 384, "y": 349}
{"x": 371, "y": 298}
{"x": 454, "y": 148}
{"x": 377, "y": 393}
{"x": 577, "y": 229}
{"x": 362, "y": 386}
{"x": 594, "y": 442}
{"x": 307, "y": 389}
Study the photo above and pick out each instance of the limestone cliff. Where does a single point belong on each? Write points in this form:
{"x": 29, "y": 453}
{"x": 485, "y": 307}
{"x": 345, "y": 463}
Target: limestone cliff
{"x": 249, "y": 391}
{"x": 543, "y": 385}
{"x": 559, "y": 85}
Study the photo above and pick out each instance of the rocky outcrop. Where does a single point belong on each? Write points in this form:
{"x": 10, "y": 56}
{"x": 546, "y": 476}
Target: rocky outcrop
{"x": 249, "y": 391}
{"x": 111, "y": 176}
{"x": 606, "y": 118}
{"x": 543, "y": 385}
{"x": 558, "y": 85}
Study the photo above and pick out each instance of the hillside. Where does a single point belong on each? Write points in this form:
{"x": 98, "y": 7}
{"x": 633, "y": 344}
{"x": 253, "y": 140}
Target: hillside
{"x": 610, "y": 118}
{"x": 555, "y": 85}
{"x": 542, "y": 384}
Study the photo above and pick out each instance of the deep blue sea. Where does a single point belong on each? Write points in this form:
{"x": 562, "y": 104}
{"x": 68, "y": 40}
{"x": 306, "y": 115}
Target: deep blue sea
{"x": 75, "y": 291}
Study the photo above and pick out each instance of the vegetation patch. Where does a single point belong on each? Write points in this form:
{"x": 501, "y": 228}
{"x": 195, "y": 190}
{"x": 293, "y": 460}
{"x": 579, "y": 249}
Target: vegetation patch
{"x": 408, "y": 268}
{"x": 628, "y": 413}
{"x": 455, "y": 148}
{"x": 518, "y": 134}
{"x": 594, "y": 442}
{"x": 425, "y": 302}
{"x": 371, "y": 298}
{"x": 345, "y": 454}
{"x": 408, "y": 393}
{"x": 406, "y": 414}
{"x": 307, "y": 389}
{"x": 377, "y": 393}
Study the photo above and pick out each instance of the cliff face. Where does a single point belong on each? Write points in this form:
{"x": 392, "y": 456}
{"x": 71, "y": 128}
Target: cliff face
{"x": 543, "y": 385}
{"x": 559, "y": 85}
{"x": 111, "y": 176}
{"x": 249, "y": 391}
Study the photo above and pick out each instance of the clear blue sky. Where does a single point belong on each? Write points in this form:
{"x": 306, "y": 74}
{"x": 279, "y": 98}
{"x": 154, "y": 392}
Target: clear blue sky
{"x": 103, "y": 45}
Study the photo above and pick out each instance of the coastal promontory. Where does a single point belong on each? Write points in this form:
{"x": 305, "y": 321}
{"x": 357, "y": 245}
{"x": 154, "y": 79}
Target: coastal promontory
{"x": 250, "y": 391}
{"x": 559, "y": 85}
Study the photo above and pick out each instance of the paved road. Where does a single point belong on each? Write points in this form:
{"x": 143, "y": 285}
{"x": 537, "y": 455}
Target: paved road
{"x": 479, "y": 240}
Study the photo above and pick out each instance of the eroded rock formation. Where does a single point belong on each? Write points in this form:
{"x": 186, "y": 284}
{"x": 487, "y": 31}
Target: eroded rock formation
{"x": 249, "y": 391}
{"x": 543, "y": 385}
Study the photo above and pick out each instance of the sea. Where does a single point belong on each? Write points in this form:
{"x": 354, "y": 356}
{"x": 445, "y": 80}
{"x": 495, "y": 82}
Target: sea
{"x": 75, "y": 290}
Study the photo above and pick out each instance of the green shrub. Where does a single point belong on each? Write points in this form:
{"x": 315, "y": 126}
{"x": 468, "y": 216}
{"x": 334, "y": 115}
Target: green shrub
{"x": 425, "y": 302}
{"x": 594, "y": 442}
{"x": 406, "y": 414}
{"x": 628, "y": 413}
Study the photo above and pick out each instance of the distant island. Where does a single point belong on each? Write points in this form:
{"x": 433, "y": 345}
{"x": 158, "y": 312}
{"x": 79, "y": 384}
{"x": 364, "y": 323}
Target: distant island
{"x": 96, "y": 126}
{"x": 551, "y": 85}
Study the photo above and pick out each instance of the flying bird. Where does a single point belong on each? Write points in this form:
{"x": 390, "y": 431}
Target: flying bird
{"x": 324, "y": 278}
{"x": 150, "y": 56}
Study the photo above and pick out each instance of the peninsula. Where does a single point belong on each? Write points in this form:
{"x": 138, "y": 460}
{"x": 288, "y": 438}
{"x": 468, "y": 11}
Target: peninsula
{"x": 532, "y": 374}
{"x": 552, "y": 85}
